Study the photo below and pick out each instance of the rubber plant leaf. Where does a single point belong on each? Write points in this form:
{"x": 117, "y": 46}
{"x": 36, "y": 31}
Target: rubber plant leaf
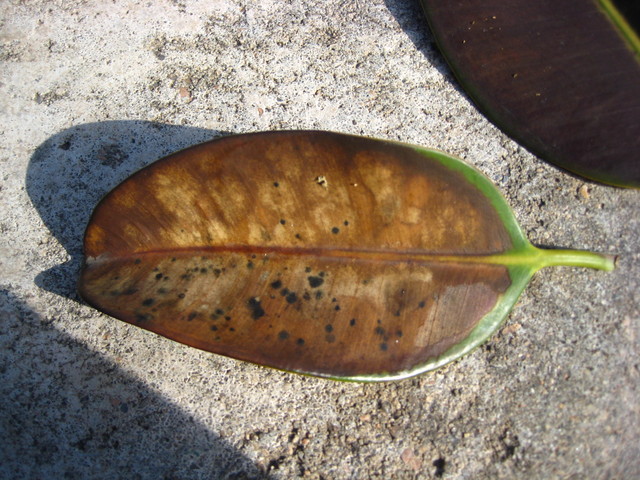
{"x": 560, "y": 77}
{"x": 313, "y": 252}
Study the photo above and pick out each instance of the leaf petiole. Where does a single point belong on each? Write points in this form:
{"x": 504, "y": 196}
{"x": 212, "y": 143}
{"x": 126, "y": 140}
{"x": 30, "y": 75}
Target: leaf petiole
{"x": 538, "y": 258}
{"x": 574, "y": 258}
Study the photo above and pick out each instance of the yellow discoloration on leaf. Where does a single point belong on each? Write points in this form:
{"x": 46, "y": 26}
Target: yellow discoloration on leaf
{"x": 356, "y": 317}
{"x": 401, "y": 202}
{"x": 230, "y": 247}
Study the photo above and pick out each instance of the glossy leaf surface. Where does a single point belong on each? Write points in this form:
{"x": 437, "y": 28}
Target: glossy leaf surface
{"x": 561, "y": 77}
{"x": 313, "y": 252}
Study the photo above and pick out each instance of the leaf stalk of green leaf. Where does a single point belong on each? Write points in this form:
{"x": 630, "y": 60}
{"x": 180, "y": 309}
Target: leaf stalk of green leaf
{"x": 538, "y": 258}
{"x": 575, "y": 258}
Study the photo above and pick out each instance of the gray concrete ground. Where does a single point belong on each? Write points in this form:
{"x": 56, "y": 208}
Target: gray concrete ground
{"x": 92, "y": 90}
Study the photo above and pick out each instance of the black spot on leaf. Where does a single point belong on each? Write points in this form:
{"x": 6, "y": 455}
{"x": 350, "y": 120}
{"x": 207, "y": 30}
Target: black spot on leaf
{"x": 315, "y": 282}
{"x": 283, "y": 335}
{"x": 291, "y": 298}
{"x": 256, "y": 309}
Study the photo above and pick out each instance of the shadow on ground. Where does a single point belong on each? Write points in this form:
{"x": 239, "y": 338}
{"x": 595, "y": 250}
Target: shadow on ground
{"x": 67, "y": 412}
{"x": 412, "y": 20}
{"x": 70, "y": 172}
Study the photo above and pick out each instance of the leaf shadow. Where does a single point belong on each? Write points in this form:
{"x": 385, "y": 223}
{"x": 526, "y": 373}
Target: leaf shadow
{"x": 67, "y": 412}
{"x": 71, "y": 171}
{"x": 412, "y": 20}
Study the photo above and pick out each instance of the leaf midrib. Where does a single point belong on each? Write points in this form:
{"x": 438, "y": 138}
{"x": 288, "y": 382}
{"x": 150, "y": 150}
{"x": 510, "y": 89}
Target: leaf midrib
{"x": 528, "y": 255}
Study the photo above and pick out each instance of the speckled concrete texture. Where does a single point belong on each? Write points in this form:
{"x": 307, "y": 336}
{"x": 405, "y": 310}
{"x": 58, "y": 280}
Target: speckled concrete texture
{"x": 92, "y": 90}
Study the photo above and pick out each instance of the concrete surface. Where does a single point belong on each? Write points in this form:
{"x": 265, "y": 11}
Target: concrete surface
{"x": 92, "y": 90}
